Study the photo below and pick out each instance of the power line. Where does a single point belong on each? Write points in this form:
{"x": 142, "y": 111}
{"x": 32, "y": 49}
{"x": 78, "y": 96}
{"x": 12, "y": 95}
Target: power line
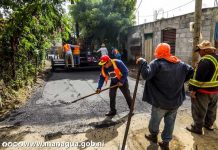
{"x": 180, "y": 6}
{"x": 172, "y": 9}
{"x": 139, "y": 5}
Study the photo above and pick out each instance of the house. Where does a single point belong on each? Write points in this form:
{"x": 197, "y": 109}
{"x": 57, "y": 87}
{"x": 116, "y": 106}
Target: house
{"x": 176, "y": 31}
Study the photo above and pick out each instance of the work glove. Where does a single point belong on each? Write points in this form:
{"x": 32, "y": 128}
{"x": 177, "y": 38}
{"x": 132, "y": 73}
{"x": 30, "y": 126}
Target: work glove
{"x": 98, "y": 91}
{"x": 120, "y": 84}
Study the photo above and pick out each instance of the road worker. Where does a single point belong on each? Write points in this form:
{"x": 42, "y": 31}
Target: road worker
{"x": 164, "y": 90}
{"x": 118, "y": 72}
{"x": 68, "y": 54}
{"x": 204, "y": 89}
{"x": 116, "y": 53}
{"x": 103, "y": 50}
{"x": 76, "y": 54}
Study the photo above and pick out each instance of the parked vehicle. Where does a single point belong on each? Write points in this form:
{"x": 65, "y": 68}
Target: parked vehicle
{"x": 87, "y": 60}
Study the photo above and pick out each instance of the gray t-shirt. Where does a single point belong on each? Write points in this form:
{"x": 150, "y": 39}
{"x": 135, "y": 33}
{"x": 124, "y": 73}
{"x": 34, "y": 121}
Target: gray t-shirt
{"x": 103, "y": 51}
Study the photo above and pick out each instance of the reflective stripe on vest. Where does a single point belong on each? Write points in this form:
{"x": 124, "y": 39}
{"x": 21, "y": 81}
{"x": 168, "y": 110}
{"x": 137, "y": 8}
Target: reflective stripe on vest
{"x": 213, "y": 82}
{"x": 66, "y": 48}
{"x": 116, "y": 70}
{"x": 76, "y": 50}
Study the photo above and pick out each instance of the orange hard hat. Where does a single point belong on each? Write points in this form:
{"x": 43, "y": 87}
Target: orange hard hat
{"x": 104, "y": 59}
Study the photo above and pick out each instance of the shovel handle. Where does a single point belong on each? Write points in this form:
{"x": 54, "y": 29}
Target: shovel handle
{"x": 108, "y": 88}
{"x": 131, "y": 109}
{"x": 96, "y": 92}
{"x": 92, "y": 94}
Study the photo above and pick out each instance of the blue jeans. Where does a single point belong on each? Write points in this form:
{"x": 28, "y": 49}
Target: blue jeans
{"x": 76, "y": 59}
{"x": 169, "y": 120}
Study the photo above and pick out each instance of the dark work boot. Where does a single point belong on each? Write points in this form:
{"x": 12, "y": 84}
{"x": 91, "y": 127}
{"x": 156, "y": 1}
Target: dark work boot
{"x": 111, "y": 113}
{"x": 152, "y": 138}
{"x": 194, "y": 129}
{"x": 164, "y": 145}
{"x": 210, "y": 128}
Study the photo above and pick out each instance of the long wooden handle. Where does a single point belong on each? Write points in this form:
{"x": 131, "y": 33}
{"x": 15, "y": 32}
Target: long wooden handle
{"x": 131, "y": 109}
{"x": 88, "y": 95}
{"x": 94, "y": 93}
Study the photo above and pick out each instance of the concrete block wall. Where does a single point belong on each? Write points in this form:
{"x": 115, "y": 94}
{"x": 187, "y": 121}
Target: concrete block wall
{"x": 133, "y": 32}
{"x": 184, "y": 37}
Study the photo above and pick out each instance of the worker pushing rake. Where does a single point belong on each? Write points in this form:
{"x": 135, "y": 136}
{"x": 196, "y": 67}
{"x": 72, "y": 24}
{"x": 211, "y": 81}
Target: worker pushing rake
{"x": 118, "y": 72}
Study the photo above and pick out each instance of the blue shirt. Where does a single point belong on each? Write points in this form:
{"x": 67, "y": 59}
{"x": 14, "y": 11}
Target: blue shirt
{"x": 110, "y": 72}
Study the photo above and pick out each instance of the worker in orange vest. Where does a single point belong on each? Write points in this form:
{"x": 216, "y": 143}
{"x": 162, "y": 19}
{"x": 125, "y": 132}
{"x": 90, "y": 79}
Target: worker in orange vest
{"x": 76, "y": 54}
{"x": 118, "y": 72}
{"x": 68, "y": 54}
{"x": 116, "y": 53}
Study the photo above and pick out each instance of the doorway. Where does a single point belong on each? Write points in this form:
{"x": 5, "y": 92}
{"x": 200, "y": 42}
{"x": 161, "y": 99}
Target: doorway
{"x": 169, "y": 36}
{"x": 148, "y": 44}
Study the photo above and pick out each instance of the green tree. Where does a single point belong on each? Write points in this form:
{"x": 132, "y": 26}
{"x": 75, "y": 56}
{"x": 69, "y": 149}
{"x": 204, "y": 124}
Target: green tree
{"x": 104, "y": 20}
{"x": 28, "y": 31}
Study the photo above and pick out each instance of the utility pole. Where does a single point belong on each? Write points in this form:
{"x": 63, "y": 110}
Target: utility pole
{"x": 138, "y": 17}
{"x": 197, "y": 30}
{"x": 215, "y": 3}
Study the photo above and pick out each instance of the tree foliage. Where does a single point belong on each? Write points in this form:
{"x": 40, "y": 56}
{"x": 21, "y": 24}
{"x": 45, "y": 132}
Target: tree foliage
{"x": 103, "y": 20}
{"x": 26, "y": 35}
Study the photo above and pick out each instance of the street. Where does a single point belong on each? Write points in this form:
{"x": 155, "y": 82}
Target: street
{"x": 52, "y": 55}
{"x": 45, "y": 118}
{"x": 45, "y": 108}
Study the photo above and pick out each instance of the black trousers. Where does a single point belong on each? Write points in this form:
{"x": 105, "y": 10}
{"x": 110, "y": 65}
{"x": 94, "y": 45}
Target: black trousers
{"x": 113, "y": 92}
{"x": 204, "y": 109}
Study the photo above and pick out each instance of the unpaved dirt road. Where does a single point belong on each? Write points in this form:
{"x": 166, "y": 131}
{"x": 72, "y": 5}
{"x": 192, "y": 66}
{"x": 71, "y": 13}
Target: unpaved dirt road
{"x": 45, "y": 119}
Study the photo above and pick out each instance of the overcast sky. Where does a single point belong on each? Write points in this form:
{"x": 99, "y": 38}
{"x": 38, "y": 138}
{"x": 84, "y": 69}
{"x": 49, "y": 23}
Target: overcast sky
{"x": 145, "y": 11}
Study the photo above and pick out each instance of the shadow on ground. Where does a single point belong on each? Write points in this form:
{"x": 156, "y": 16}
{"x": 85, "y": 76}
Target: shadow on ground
{"x": 138, "y": 141}
{"x": 9, "y": 134}
{"x": 105, "y": 130}
{"x": 211, "y": 138}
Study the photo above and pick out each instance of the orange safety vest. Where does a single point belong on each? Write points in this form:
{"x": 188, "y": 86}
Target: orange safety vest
{"x": 116, "y": 70}
{"x": 76, "y": 50}
{"x": 116, "y": 51}
{"x": 66, "y": 48}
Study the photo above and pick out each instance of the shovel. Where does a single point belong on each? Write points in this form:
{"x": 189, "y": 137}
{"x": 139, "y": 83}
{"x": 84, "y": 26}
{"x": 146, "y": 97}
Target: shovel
{"x": 63, "y": 102}
{"x": 124, "y": 147}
